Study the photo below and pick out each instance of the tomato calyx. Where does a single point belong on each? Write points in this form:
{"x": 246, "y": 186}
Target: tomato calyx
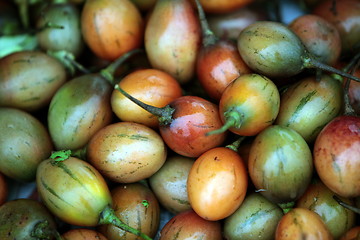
{"x": 233, "y": 118}
{"x": 61, "y": 155}
{"x": 287, "y": 206}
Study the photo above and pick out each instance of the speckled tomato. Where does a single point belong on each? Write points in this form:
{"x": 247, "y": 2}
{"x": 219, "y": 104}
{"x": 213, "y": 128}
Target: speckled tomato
{"x": 151, "y": 86}
{"x": 189, "y": 225}
{"x": 319, "y": 198}
{"x": 136, "y": 205}
{"x": 280, "y": 164}
{"x": 337, "y": 155}
{"x": 82, "y": 234}
{"x": 217, "y": 183}
{"x": 301, "y": 223}
{"x": 111, "y": 28}
{"x": 126, "y": 152}
{"x": 249, "y": 104}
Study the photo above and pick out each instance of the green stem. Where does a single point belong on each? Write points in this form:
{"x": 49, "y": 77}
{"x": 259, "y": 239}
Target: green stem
{"x": 345, "y": 205}
{"x": 208, "y": 36}
{"x": 236, "y": 144}
{"x": 109, "y": 71}
{"x": 310, "y": 62}
{"x": 232, "y": 119}
{"x": 286, "y": 207}
{"x": 108, "y": 216}
{"x": 80, "y": 153}
{"x": 42, "y": 230}
{"x": 164, "y": 114}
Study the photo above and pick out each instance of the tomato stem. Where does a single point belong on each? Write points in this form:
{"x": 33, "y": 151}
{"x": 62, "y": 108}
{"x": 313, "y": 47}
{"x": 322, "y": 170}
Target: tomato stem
{"x": 232, "y": 119}
{"x": 108, "y": 216}
{"x": 209, "y": 37}
{"x": 109, "y": 71}
{"x": 345, "y": 205}
{"x": 42, "y": 230}
{"x": 235, "y": 145}
{"x": 164, "y": 114}
{"x": 310, "y": 62}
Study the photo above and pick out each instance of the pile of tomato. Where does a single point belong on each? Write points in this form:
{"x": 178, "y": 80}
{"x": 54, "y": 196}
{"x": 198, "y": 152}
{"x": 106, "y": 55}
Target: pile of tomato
{"x": 179, "y": 119}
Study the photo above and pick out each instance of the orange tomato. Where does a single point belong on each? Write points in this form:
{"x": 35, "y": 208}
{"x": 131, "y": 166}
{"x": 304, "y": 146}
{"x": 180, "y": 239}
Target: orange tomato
{"x": 151, "y": 86}
{"x": 217, "y": 183}
{"x": 301, "y": 223}
{"x": 82, "y": 234}
{"x": 111, "y": 27}
{"x": 223, "y": 6}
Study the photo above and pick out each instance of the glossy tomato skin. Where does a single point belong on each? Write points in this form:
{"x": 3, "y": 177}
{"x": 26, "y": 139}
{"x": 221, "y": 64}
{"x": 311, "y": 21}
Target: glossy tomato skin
{"x": 79, "y": 109}
{"x": 136, "y": 205}
{"x": 345, "y": 15}
{"x": 151, "y": 86}
{"x": 111, "y": 27}
{"x": 29, "y": 79}
{"x": 255, "y": 98}
{"x": 319, "y": 199}
{"x": 73, "y": 190}
{"x": 189, "y": 225}
{"x": 300, "y": 223}
{"x": 24, "y": 143}
{"x": 217, "y": 65}
{"x": 172, "y": 38}
{"x": 192, "y": 119}
{"x": 126, "y": 152}
{"x": 308, "y": 105}
{"x": 256, "y": 218}
{"x": 217, "y": 183}
{"x": 337, "y": 155}
{"x": 320, "y": 37}
{"x": 4, "y": 189}
{"x": 224, "y": 6}
{"x": 352, "y": 234}
{"x": 169, "y": 184}
{"x": 83, "y": 234}
{"x": 280, "y": 164}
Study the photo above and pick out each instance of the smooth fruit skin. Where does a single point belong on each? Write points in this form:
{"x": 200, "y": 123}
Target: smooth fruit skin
{"x": 192, "y": 119}
{"x": 320, "y": 37}
{"x": 151, "y": 86}
{"x": 69, "y": 37}
{"x": 4, "y": 189}
{"x": 319, "y": 199}
{"x": 24, "y": 143}
{"x": 302, "y": 223}
{"x": 224, "y": 6}
{"x": 337, "y": 155}
{"x": 280, "y": 164}
{"x": 82, "y": 234}
{"x": 73, "y": 190}
{"x": 256, "y": 218}
{"x": 217, "y": 183}
{"x": 18, "y": 218}
{"x": 126, "y": 152}
{"x": 217, "y": 65}
{"x": 189, "y": 225}
{"x": 352, "y": 234}
{"x": 169, "y": 184}
{"x": 256, "y": 98}
{"x": 111, "y": 27}
{"x": 172, "y": 38}
{"x": 309, "y": 104}
{"x": 135, "y": 205}
{"x": 79, "y": 109}
{"x": 29, "y": 79}
{"x": 345, "y": 15}
{"x": 272, "y": 49}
